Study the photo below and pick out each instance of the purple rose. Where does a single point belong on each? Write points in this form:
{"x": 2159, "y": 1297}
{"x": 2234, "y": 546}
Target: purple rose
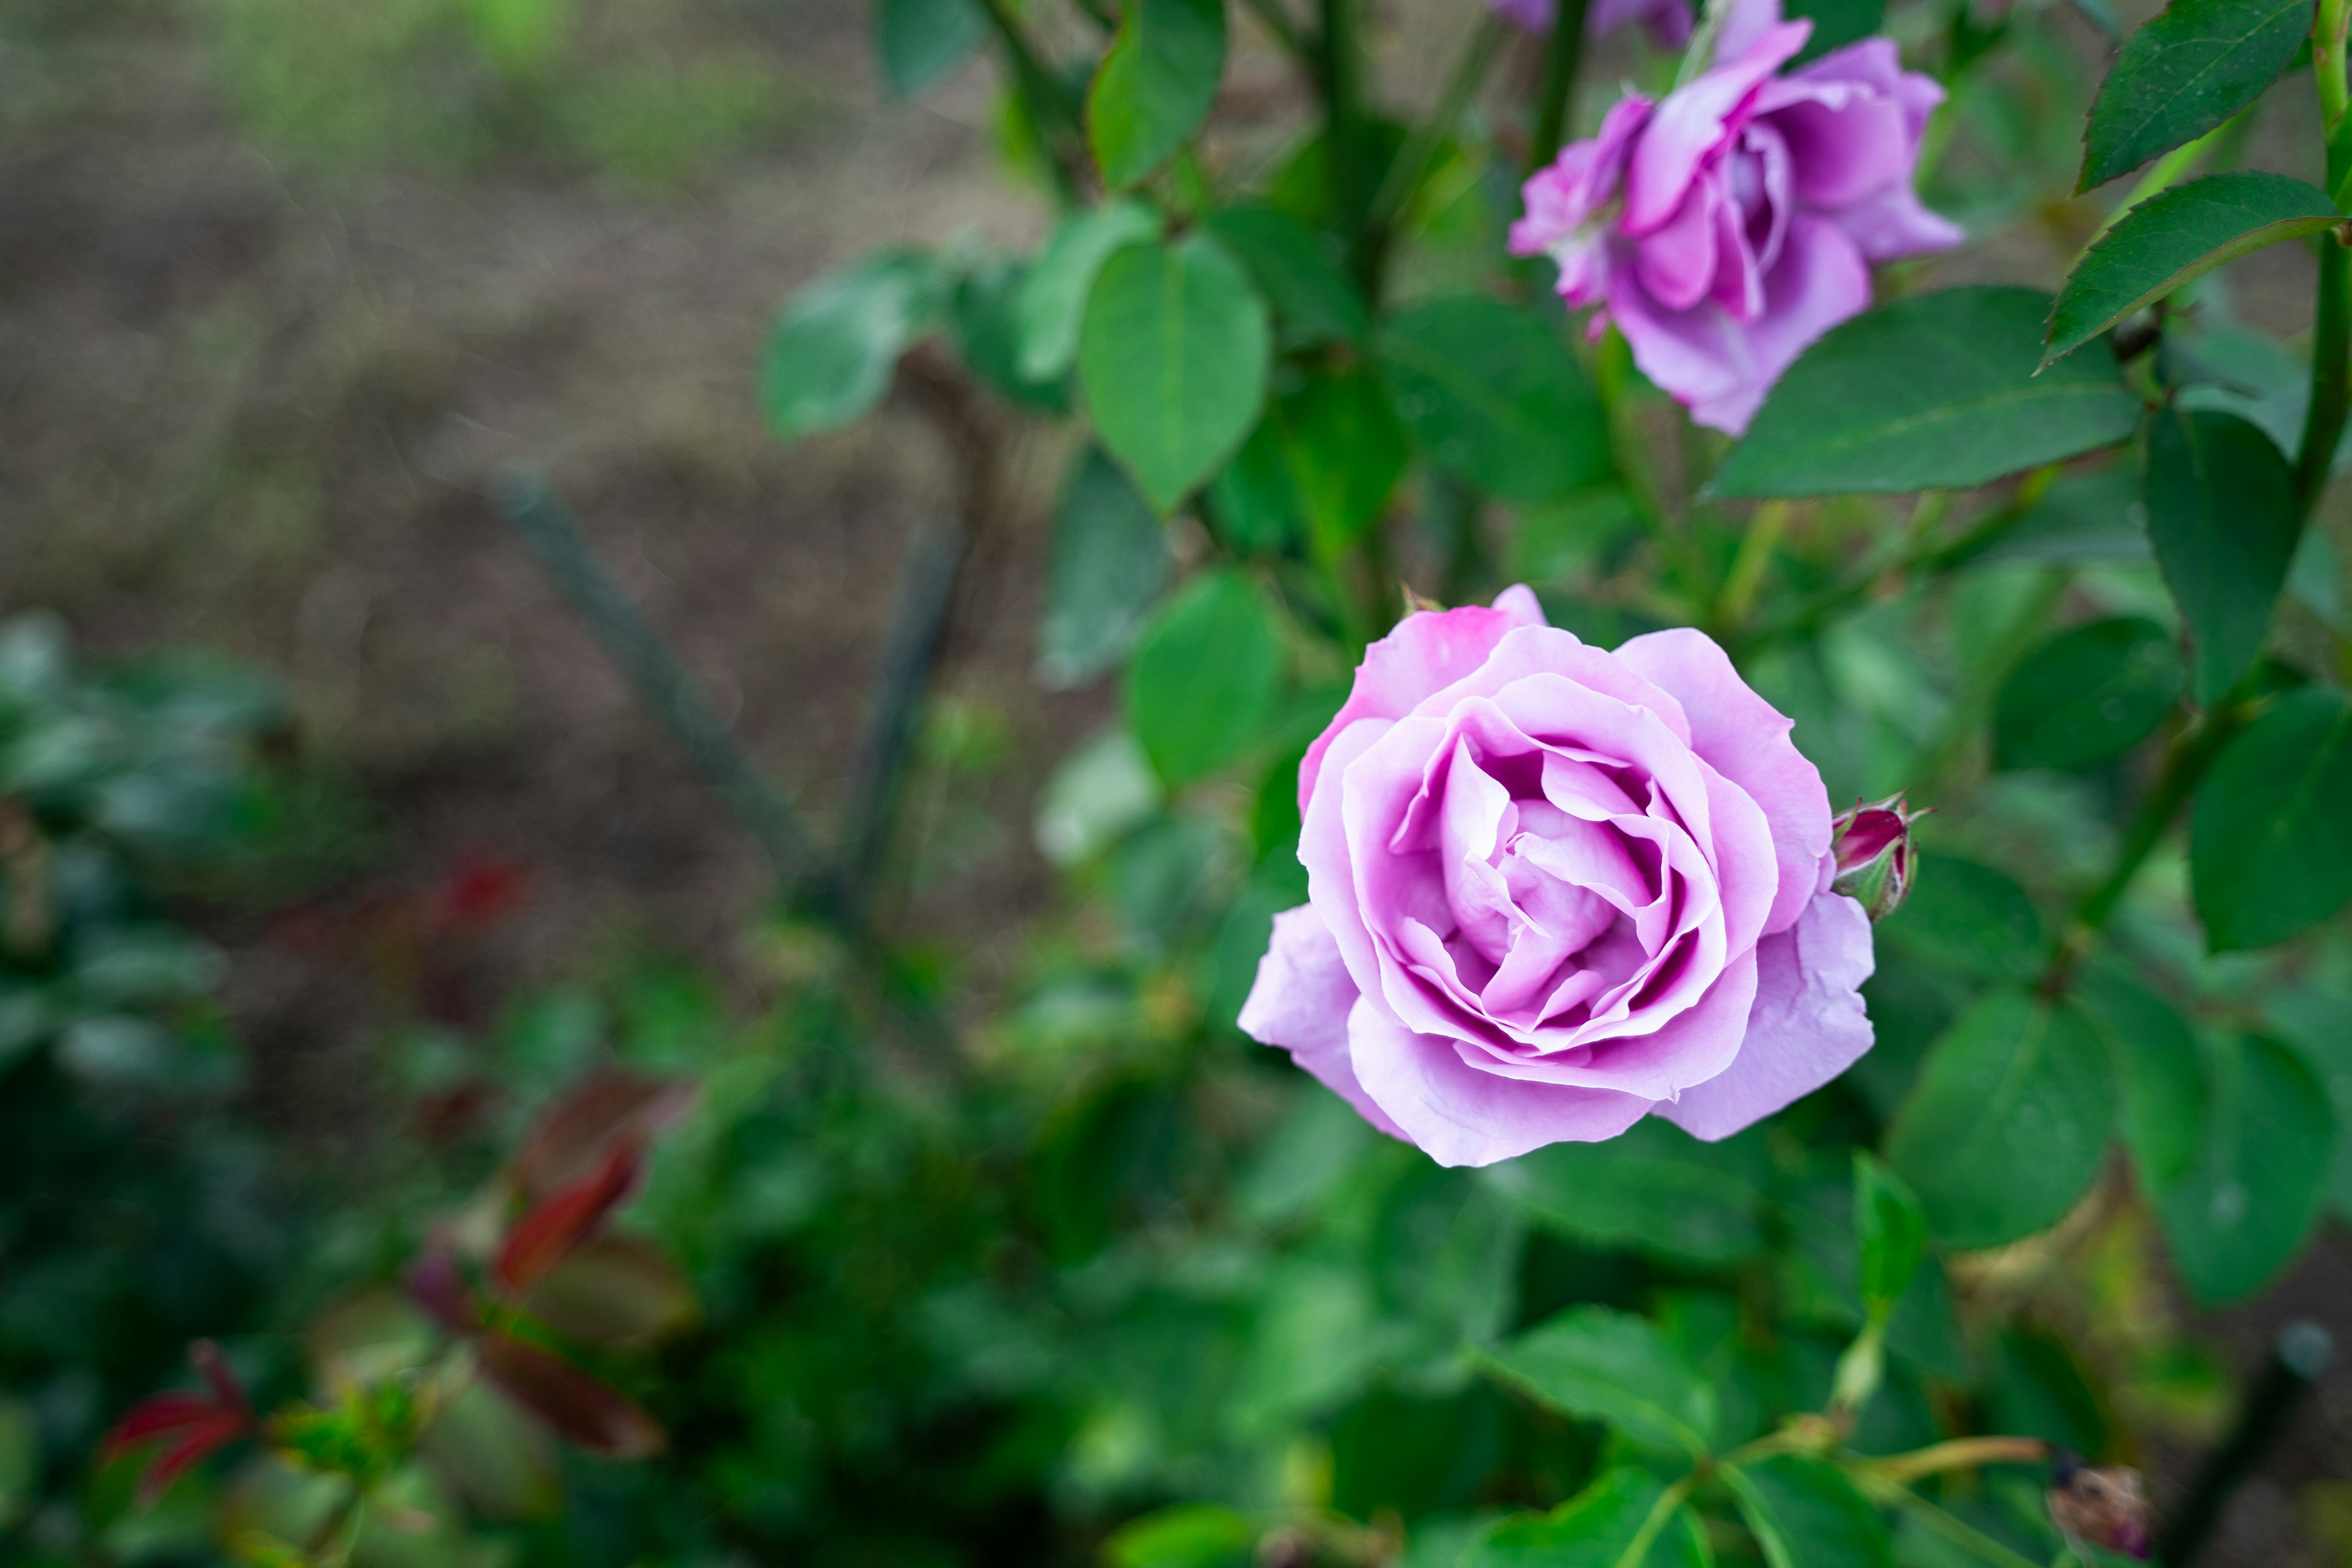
{"x": 1668, "y": 21}
{"x": 1551, "y": 888}
{"x": 1728, "y": 226}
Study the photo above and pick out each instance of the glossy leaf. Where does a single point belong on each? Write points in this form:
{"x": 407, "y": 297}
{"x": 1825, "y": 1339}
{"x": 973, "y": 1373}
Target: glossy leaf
{"x": 1598, "y": 1528}
{"x": 1173, "y": 357}
{"x": 2221, "y": 515}
{"x": 1611, "y": 1366}
{"x": 1106, "y": 566}
{"x": 2270, "y": 846}
{"x": 1937, "y": 392}
{"x": 1202, "y": 685}
{"x": 2086, "y": 694}
{"x": 1804, "y": 1514}
{"x": 1890, "y": 1233}
{"x": 1053, "y": 301}
{"x": 921, "y": 42}
{"x": 831, "y": 355}
{"x": 2176, "y": 236}
{"x": 2245, "y": 1207}
{"x": 1492, "y": 395}
{"x": 1311, "y": 296}
{"x": 1156, "y": 86}
{"x": 2159, "y": 1066}
{"x": 2183, "y": 74}
{"x": 1655, "y": 1189}
{"x": 582, "y": 1409}
{"x": 2009, "y": 1124}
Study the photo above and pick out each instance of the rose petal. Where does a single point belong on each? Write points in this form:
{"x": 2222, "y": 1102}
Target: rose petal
{"x": 1300, "y": 1003}
{"x": 1461, "y": 1116}
{"x": 1807, "y": 1026}
{"x": 1746, "y": 740}
{"x": 1691, "y": 123}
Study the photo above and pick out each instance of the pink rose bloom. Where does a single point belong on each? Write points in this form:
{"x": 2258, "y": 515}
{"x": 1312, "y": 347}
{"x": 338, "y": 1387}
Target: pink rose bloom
{"x": 1668, "y": 21}
{"x": 1727, "y": 226}
{"x": 1551, "y": 888}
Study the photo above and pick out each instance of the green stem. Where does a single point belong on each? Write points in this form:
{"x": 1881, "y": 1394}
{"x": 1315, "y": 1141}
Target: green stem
{"x": 1339, "y": 68}
{"x": 1412, "y": 161}
{"x": 1562, "y": 53}
{"x": 2331, "y": 356}
{"x": 1058, "y": 118}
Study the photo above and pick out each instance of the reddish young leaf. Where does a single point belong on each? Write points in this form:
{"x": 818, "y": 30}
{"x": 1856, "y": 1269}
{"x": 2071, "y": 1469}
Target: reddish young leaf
{"x": 566, "y": 1217}
{"x": 481, "y": 890}
{"x": 581, "y": 1409}
{"x": 196, "y": 1423}
{"x": 609, "y": 1106}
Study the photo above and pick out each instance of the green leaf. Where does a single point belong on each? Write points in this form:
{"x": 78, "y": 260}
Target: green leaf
{"x": 1106, "y": 566}
{"x": 2318, "y": 1024}
{"x": 986, "y": 321}
{"x": 1655, "y": 1189}
{"x": 1173, "y": 357}
{"x": 1345, "y": 451}
{"x": 1205, "y": 677}
{"x": 2086, "y": 694}
{"x": 1611, "y": 1366}
{"x": 1053, "y": 302}
{"x": 1890, "y": 1232}
{"x": 1188, "y": 1536}
{"x": 2185, "y": 72}
{"x": 2250, "y": 1200}
{"x": 2158, "y": 1063}
{"x": 1804, "y": 1514}
{"x": 2270, "y": 846}
{"x": 1836, "y": 23}
{"x": 2009, "y": 1124}
{"x": 1252, "y": 503}
{"x": 1492, "y": 395}
{"x": 1936, "y": 392}
{"x": 831, "y": 355}
{"x": 2222, "y": 519}
{"x": 1310, "y": 295}
{"x": 2176, "y": 236}
{"x": 922, "y": 40}
{"x": 1968, "y": 919}
{"x": 1156, "y": 86}
{"x": 1599, "y": 1527}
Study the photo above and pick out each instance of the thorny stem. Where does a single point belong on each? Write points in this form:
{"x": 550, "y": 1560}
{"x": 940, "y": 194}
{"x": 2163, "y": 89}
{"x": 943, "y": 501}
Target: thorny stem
{"x": 1563, "y": 50}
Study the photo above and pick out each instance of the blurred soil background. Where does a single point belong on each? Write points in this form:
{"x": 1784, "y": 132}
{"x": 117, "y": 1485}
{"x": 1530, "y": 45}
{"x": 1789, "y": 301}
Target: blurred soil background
{"x": 283, "y": 281}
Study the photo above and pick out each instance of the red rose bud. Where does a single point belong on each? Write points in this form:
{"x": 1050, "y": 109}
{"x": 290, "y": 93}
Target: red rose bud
{"x": 1872, "y": 846}
{"x": 2099, "y": 1505}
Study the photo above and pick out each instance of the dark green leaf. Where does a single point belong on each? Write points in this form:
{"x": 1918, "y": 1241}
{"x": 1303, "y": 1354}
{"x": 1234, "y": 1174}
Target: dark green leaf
{"x": 2039, "y": 1391}
{"x": 988, "y": 335}
{"x": 1933, "y": 392}
{"x": 1310, "y": 295}
{"x": 1599, "y": 1528}
{"x": 1155, "y": 86}
{"x": 1806, "y": 1515}
{"x": 1188, "y": 1536}
{"x": 2318, "y": 1024}
{"x": 1108, "y": 561}
{"x": 1655, "y": 1189}
{"x": 1966, "y": 919}
{"x": 2185, "y": 72}
{"x": 2158, "y": 1063}
{"x": 2086, "y": 694}
{"x": 1492, "y": 395}
{"x": 1173, "y": 357}
{"x": 2270, "y": 846}
{"x": 1205, "y": 677}
{"x": 2009, "y": 1124}
{"x": 1252, "y": 503}
{"x": 2249, "y": 1203}
{"x": 1053, "y": 302}
{"x": 921, "y": 40}
{"x": 1346, "y": 452}
{"x": 1836, "y": 23}
{"x": 2222, "y": 517}
{"x": 1613, "y": 1366}
{"x": 1890, "y": 1232}
{"x": 831, "y": 357}
{"x": 2176, "y": 236}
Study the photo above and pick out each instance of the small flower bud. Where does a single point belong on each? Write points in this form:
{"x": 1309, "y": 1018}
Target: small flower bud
{"x": 1872, "y": 846}
{"x": 2099, "y": 1505}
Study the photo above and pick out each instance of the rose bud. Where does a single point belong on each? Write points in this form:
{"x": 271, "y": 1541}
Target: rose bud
{"x": 1872, "y": 846}
{"x": 2103, "y": 1506}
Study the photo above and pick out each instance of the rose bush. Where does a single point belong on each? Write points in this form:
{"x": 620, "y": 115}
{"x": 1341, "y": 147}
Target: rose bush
{"x": 1725, "y": 227}
{"x": 1552, "y": 888}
